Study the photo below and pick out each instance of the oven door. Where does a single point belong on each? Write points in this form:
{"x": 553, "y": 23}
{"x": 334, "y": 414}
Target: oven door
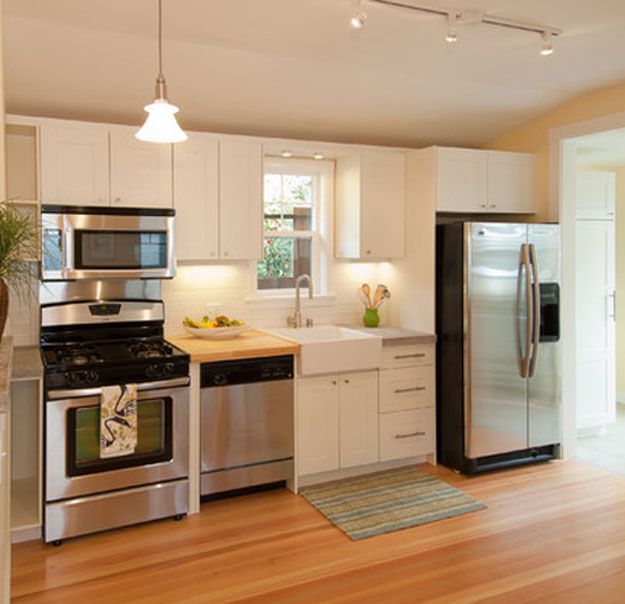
{"x": 73, "y": 463}
{"x": 100, "y": 246}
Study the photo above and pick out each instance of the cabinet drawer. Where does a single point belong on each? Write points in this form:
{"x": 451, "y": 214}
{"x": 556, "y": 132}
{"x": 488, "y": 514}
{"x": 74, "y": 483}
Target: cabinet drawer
{"x": 409, "y": 388}
{"x": 406, "y": 434}
{"x": 408, "y": 355}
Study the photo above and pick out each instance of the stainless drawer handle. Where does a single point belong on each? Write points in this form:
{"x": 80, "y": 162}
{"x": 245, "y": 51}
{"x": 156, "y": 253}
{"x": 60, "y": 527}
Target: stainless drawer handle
{"x": 412, "y": 434}
{"x": 417, "y": 355}
{"x": 404, "y": 390}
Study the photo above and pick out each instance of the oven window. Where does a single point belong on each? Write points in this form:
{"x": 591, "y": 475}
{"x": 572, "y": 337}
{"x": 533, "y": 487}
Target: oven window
{"x": 120, "y": 249}
{"x": 154, "y": 438}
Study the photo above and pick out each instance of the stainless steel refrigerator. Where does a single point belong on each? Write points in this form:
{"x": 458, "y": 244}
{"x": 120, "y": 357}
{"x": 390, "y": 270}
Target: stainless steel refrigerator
{"x": 498, "y": 327}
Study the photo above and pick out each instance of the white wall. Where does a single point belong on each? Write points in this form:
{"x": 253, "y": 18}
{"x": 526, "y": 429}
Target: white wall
{"x": 196, "y": 287}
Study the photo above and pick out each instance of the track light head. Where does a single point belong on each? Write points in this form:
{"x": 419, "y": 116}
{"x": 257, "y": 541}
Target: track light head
{"x": 547, "y": 45}
{"x": 357, "y": 20}
{"x": 452, "y": 32}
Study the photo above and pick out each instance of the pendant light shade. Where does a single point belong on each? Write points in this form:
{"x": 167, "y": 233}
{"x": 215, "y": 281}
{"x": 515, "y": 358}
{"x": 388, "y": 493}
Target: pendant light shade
{"x": 161, "y": 125}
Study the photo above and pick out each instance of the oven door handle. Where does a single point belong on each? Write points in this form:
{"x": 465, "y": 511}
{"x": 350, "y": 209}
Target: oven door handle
{"x": 54, "y": 395}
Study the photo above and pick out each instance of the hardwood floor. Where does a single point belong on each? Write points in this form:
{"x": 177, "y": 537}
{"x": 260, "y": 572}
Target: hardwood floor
{"x": 552, "y": 533}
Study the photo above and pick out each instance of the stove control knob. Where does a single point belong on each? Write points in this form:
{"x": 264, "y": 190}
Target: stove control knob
{"x": 168, "y": 369}
{"x": 219, "y": 379}
{"x": 153, "y": 371}
{"x": 92, "y": 376}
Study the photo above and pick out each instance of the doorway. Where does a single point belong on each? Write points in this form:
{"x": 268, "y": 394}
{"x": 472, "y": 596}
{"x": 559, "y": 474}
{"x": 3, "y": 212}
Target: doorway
{"x": 599, "y": 223}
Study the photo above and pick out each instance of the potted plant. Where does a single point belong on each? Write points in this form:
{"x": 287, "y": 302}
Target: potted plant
{"x": 18, "y": 254}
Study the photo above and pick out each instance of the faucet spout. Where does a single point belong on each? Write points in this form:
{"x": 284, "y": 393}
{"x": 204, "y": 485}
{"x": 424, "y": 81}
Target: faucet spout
{"x": 295, "y": 320}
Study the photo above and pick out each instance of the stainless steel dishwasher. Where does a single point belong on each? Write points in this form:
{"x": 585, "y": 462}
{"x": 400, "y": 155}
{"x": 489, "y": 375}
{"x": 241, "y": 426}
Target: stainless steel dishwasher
{"x": 247, "y": 423}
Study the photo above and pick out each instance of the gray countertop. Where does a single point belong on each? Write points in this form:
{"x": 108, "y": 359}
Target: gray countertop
{"x": 6, "y": 357}
{"x": 26, "y": 363}
{"x": 397, "y": 335}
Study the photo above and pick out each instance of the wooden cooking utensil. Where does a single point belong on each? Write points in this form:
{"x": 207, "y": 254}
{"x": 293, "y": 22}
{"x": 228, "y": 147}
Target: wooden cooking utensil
{"x": 366, "y": 290}
{"x": 377, "y": 297}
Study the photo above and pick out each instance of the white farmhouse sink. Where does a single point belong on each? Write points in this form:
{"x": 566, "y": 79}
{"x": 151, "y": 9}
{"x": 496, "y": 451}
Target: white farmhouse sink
{"x": 332, "y": 349}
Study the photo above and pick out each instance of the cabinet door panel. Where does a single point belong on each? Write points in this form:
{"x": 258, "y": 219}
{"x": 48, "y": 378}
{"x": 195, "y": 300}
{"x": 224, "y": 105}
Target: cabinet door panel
{"x": 461, "y": 180}
{"x": 240, "y": 199}
{"x": 358, "y": 402}
{"x": 196, "y": 199}
{"x": 74, "y": 165}
{"x": 510, "y": 182}
{"x": 383, "y": 202}
{"x": 141, "y": 173}
{"x": 317, "y": 425}
{"x": 595, "y": 196}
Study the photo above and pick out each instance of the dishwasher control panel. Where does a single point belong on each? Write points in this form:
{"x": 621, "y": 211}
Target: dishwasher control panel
{"x": 246, "y": 371}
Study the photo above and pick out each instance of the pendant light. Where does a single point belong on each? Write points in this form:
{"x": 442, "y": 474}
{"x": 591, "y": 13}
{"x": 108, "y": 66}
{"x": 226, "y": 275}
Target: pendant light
{"x": 161, "y": 126}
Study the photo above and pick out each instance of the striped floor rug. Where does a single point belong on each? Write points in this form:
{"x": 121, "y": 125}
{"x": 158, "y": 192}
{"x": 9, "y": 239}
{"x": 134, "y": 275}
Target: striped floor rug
{"x": 388, "y": 501}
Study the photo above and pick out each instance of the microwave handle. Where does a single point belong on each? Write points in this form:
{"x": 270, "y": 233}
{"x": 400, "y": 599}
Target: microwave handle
{"x": 67, "y": 243}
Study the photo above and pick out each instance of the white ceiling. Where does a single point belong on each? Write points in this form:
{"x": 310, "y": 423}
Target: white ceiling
{"x": 602, "y": 149}
{"x": 292, "y": 68}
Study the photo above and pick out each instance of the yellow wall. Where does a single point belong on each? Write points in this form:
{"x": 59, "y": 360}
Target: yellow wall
{"x": 533, "y": 137}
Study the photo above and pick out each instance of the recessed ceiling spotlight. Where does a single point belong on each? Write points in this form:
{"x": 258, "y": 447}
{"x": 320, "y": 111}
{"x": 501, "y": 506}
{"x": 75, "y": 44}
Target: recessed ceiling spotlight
{"x": 287, "y": 153}
{"x": 547, "y": 46}
{"x": 358, "y": 18}
{"x": 452, "y": 32}
{"x": 318, "y": 155}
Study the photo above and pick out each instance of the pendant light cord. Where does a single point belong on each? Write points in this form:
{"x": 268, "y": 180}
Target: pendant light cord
{"x": 160, "y": 38}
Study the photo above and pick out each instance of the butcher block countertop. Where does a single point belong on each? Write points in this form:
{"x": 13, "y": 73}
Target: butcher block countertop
{"x": 249, "y": 345}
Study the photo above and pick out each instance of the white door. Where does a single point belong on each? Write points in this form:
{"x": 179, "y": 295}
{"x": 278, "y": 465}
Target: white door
{"x": 317, "y": 424}
{"x": 196, "y": 199}
{"x": 240, "y": 200}
{"x": 596, "y": 195}
{"x": 74, "y": 165}
{"x": 141, "y": 173}
{"x": 595, "y": 322}
{"x": 358, "y": 404}
{"x": 510, "y": 182}
{"x": 383, "y": 202}
{"x": 461, "y": 180}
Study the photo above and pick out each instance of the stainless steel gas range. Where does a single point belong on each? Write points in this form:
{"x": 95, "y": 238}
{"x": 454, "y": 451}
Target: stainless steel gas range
{"x": 95, "y": 334}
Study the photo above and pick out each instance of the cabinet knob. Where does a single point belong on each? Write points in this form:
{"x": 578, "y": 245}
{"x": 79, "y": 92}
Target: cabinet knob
{"x": 212, "y": 254}
{"x": 117, "y": 199}
{"x": 334, "y": 382}
{"x": 347, "y": 381}
{"x": 482, "y": 205}
{"x": 493, "y": 205}
{"x": 225, "y": 253}
{"x": 368, "y": 252}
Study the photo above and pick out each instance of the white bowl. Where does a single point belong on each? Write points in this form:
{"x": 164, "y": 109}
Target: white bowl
{"x": 217, "y": 333}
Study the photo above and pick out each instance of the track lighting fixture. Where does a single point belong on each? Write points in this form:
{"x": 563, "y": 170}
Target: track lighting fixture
{"x": 460, "y": 16}
{"x": 547, "y": 46}
{"x": 318, "y": 155}
{"x": 452, "y": 32}
{"x": 287, "y": 153}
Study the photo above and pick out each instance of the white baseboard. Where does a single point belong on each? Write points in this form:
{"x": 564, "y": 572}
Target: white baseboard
{"x": 29, "y": 533}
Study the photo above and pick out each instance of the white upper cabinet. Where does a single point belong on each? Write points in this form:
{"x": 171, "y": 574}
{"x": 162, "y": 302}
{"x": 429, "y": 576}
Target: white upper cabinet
{"x": 370, "y": 205}
{"x": 141, "y": 173}
{"x": 196, "y": 198}
{"x": 595, "y": 196}
{"x": 240, "y": 199}
{"x": 74, "y": 164}
{"x": 480, "y": 181}
{"x": 461, "y": 180}
{"x": 510, "y": 182}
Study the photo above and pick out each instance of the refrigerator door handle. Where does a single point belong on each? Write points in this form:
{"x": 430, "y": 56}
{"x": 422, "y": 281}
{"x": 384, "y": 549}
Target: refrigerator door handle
{"x": 524, "y": 352}
{"x": 535, "y": 310}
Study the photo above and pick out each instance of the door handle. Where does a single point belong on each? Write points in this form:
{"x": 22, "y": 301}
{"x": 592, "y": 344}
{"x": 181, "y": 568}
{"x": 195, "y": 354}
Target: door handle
{"x": 524, "y": 352}
{"x": 535, "y": 310}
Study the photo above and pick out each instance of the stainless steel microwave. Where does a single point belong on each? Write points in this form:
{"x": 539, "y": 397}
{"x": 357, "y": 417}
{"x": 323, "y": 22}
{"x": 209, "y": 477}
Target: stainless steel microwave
{"x": 106, "y": 243}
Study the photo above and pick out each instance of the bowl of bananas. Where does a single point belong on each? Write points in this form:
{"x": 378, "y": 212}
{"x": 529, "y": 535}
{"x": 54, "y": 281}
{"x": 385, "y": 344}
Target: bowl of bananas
{"x": 219, "y": 328}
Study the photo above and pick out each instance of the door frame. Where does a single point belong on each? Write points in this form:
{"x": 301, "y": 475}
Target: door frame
{"x": 562, "y": 185}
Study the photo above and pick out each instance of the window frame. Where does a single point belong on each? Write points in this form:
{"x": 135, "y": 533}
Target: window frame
{"x": 320, "y": 235}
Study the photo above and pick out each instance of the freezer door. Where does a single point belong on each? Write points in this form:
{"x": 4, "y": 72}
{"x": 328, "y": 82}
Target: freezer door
{"x": 544, "y": 382}
{"x": 496, "y": 310}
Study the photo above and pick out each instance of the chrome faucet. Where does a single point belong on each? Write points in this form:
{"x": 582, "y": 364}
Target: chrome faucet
{"x": 295, "y": 320}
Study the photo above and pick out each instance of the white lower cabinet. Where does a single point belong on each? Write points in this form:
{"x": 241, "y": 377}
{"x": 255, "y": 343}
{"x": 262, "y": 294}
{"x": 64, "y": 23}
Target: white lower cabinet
{"x": 406, "y": 434}
{"x": 317, "y": 424}
{"x": 358, "y": 419}
{"x": 337, "y": 421}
